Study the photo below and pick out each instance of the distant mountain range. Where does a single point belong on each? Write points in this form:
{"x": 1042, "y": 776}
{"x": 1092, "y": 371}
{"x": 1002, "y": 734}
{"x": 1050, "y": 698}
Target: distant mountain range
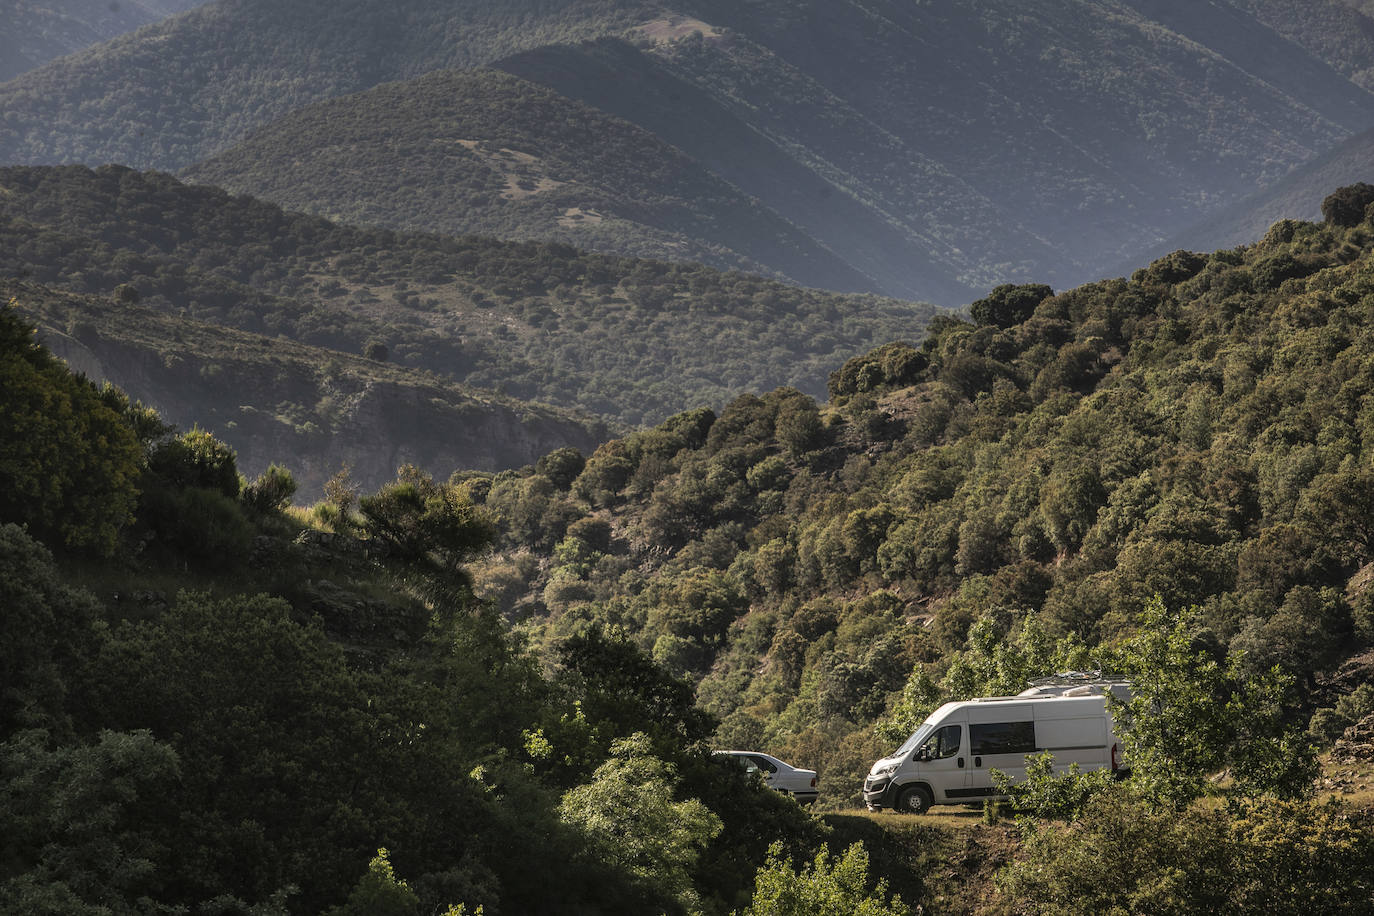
{"x": 33, "y": 32}
{"x": 482, "y": 151}
{"x": 925, "y": 151}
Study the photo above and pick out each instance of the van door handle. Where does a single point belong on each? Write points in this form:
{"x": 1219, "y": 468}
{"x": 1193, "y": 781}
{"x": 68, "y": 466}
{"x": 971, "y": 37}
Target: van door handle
{"x": 961, "y": 763}
{"x": 977, "y": 761}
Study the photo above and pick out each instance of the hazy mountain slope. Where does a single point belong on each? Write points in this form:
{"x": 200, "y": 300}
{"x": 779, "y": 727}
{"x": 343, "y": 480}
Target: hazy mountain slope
{"x": 1312, "y": 56}
{"x": 480, "y": 151}
{"x": 188, "y": 87}
{"x": 1337, "y": 31}
{"x": 627, "y": 339}
{"x": 33, "y": 33}
{"x": 790, "y": 175}
{"x": 1297, "y": 195}
{"x": 274, "y": 400}
{"x": 1095, "y": 125}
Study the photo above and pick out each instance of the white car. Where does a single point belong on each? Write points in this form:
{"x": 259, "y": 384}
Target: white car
{"x": 777, "y": 775}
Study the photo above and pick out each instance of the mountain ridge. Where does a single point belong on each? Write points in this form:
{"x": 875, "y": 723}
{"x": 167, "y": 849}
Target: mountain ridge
{"x": 950, "y": 147}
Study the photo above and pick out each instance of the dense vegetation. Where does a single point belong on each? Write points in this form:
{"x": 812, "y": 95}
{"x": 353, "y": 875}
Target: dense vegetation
{"x": 212, "y": 702}
{"x": 482, "y": 151}
{"x": 1001, "y": 500}
{"x": 629, "y": 340}
{"x": 327, "y": 722}
{"x": 933, "y": 150}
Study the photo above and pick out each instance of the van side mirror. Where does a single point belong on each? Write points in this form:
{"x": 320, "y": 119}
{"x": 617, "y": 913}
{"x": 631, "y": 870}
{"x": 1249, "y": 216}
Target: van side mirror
{"x": 923, "y": 754}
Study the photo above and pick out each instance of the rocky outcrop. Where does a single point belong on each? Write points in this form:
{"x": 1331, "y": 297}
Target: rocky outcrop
{"x": 312, "y": 410}
{"x": 1357, "y": 744}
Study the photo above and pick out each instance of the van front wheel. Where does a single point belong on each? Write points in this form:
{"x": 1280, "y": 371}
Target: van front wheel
{"x": 914, "y": 800}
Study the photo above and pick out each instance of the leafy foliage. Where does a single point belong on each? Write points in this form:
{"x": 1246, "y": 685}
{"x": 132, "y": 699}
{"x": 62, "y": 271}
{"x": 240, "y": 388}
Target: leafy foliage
{"x": 1008, "y": 304}
{"x": 1043, "y": 795}
{"x": 1190, "y": 716}
{"x": 1126, "y": 856}
{"x": 68, "y": 460}
{"x": 78, "y": 822}
{"x": 627, "y": 813}
{"x": 822, "y": 888}
{"x": 1347, "y": 206}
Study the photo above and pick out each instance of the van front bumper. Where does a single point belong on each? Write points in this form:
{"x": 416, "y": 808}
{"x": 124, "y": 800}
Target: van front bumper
{"x": 878, "y": 792}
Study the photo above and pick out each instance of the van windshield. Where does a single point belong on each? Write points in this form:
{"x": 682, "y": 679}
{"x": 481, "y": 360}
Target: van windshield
{"x": 916, "y": 740}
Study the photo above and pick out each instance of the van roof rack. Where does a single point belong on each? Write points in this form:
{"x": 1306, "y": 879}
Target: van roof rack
{"x": 1077, "y": 678}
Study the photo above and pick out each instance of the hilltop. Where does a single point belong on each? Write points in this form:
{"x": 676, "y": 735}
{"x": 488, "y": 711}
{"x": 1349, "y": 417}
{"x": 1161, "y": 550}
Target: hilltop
{"x": 933, "y": 150}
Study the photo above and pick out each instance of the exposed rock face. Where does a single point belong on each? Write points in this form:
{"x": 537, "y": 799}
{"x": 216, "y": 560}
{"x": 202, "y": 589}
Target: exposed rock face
{"x": 1357, "y": 744}
{"x": 316, "y": 411}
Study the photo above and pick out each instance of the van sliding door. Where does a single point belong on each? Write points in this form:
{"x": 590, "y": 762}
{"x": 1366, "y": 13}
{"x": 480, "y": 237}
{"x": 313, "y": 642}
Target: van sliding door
{"x": 1001, "y": 740}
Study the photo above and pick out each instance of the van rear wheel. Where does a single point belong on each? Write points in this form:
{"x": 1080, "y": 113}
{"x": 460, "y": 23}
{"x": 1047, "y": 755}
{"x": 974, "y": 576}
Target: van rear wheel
{"x": 914, "y": 800}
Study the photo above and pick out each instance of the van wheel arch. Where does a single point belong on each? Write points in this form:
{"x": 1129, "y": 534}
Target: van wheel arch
{"x": 915, "y": 798}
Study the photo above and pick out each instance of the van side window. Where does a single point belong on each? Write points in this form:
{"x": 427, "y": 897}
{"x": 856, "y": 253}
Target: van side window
{"x": 1002, "y": 738}
{"x": 946, "y": 742}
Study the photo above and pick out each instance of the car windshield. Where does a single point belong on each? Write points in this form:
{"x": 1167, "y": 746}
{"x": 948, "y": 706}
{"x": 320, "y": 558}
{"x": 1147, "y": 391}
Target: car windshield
{"x": 916, "y": 740}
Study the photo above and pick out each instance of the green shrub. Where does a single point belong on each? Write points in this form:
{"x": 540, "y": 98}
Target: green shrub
{"x": 204, "y": 527}
{"x": 270, "y": 491}
{"x": 68, "y": 462}
{"x": 196, "y": 459}
{"x": 823, "y": 887}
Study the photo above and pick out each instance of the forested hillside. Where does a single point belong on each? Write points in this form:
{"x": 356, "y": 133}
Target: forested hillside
{"x": 211, "y": 700}
{"x": 628, "y": 340}
{"x": 1000, "y": 501}
{"x": 932, "y": 150}
{"x": 211, "y": 704}
{"x": 205, "y": 79}
{"x": 481, "y": 151}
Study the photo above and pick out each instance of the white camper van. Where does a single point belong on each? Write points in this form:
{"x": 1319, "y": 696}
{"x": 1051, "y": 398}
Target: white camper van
{"x": 949, "y": 758}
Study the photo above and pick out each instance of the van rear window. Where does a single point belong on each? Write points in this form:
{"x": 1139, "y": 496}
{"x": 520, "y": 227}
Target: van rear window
{"x": 1002, "y": 738}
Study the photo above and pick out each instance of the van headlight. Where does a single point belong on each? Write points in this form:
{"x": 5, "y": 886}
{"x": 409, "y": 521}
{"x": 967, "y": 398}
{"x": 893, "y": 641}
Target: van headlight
{"x": 884, "y": 769}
